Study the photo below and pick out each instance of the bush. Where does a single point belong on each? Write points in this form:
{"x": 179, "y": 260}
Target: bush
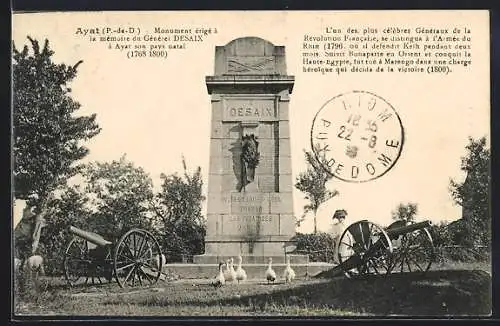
{"x": 178, "y": 210}
{"x": 452, "y": 243}
{"x": 462, "y": 254}
{"x": 182, "y": 242}
{"x": 320, "y": 247}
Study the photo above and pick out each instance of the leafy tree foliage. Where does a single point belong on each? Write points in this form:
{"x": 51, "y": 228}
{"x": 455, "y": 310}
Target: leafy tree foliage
{"x": 46, "y": 133}
{"x": 312, "y": 183}
{"x": 120, "y": 194}
{"x": 441, "y": 234}
{"x": 473, "y": 194}
{"x": 405, "y": 212}
{"x": 178, "y": 208}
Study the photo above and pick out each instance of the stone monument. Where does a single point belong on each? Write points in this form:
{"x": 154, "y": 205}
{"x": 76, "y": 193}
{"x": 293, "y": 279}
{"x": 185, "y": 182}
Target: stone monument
{"x": 249, "y": 201}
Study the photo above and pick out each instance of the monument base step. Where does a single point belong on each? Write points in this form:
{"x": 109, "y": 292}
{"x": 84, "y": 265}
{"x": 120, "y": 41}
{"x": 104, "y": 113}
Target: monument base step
{"x": 254, "y": 271}
{"x": 251, "y": 259}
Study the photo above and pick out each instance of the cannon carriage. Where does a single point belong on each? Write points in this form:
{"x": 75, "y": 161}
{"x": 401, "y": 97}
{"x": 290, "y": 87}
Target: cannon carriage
{"x": 134, "y": 260}
{"x": 366, "y": 248}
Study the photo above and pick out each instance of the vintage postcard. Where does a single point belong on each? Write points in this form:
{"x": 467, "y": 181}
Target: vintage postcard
{"x": 251, "y": 163}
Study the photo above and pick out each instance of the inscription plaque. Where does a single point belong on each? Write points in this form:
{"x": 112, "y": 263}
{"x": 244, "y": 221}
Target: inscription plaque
{"x": 249, "y": 226}
{"x": 249, "y": 110}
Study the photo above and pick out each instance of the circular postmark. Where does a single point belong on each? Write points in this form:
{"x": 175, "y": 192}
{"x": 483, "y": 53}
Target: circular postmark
{"x": 357, "y": 136}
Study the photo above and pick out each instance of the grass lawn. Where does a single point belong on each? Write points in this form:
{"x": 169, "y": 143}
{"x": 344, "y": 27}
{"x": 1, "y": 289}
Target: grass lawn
{"x": 459, "y": 292}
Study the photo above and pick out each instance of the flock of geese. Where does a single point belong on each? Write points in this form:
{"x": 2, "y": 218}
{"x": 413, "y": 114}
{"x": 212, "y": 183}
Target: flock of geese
{"x": 231, "y": 275}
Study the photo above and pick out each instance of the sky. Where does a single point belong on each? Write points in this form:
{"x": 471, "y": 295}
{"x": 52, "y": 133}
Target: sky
{"x": 157, "y": 110}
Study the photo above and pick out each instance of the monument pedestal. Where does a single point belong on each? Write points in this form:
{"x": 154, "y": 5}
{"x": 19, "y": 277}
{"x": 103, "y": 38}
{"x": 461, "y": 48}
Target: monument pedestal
{"x": 249, "y": 202}
{"x": 255, "y": 225}
{"x": 252, "y": 259}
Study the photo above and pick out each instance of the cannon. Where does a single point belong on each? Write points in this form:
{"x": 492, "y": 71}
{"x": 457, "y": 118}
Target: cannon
{"x": 367, "y": 248}
{"x": 133, "y": 260}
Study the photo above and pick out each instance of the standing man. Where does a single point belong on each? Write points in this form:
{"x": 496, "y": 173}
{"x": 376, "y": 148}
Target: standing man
{"x": 337, "y": 229}
{"x": 23, "y": 234}
{"x": 26, "y": 240}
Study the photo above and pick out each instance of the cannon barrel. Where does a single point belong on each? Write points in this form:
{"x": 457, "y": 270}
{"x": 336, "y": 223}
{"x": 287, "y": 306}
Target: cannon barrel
{"x": 395, "y": 232}
{"x": 89, "y": 236}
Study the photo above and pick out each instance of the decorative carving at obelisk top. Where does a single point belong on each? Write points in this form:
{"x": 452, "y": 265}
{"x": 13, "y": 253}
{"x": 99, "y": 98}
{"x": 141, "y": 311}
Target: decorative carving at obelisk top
{"x": 250, "y": 184}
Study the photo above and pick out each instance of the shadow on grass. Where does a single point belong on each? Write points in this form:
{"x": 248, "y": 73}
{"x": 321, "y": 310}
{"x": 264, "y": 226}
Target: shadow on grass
{"x": 63, "y": 285}
{"x": 436, "y": 293}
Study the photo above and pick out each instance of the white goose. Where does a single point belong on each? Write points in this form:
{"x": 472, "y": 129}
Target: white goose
{"x": 241, "y": 275}
{"x": 231, "y": 269}
{"x": 289, "y": 273}
{"x": 229, "y": 273}
{"x": 270, "y": 273}
{"x": 220, "y": 280}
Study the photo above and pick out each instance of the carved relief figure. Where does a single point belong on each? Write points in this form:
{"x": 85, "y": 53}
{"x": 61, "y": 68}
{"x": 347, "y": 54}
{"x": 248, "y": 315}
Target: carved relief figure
{"x": 249, "y": 159}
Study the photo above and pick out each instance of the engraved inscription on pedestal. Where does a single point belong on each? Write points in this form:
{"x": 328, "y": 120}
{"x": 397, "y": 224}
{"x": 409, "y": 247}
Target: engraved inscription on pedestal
{"x": 249, "y": 109}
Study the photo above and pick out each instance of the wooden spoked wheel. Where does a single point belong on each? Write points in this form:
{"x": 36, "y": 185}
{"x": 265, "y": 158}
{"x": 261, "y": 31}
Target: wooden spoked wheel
{"x": 136, "y": 259}
{"x": 86, "y": 263}
{"x": 364, "y": 248}
{"x": 413, "y": 252}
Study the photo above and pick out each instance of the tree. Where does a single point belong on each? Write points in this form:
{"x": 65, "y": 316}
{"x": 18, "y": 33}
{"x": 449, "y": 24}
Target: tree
{"x": 405, "y": 212}
{"x": 473, "y": 194}
{"x": 46, "y": 134}
{"x": 178, "y": 206}
{"x": 121, "y": 196}
{"x": 312, "y": 183}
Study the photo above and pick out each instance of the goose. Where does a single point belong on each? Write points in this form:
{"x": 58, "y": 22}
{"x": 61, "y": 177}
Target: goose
{"x": 229, "y": 273}
{"x": 289, "y": 273}
{"x": 270, "y": 273}
{"x": 231, "y": 269}
{"x": 220, "y": 280}
{"x": 241, "y": 275}
{"x": 34, "y": 264}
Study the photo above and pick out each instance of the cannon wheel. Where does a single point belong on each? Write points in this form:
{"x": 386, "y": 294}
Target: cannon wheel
{"x": 135, "y": 259}
{"x": 364, "y": 248}
{"x": 413, "y": 252}
{"x": 78, "y": 264}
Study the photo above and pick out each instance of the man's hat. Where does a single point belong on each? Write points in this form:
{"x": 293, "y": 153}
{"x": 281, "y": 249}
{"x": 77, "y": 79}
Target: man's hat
{"x": 340, "y": 214}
